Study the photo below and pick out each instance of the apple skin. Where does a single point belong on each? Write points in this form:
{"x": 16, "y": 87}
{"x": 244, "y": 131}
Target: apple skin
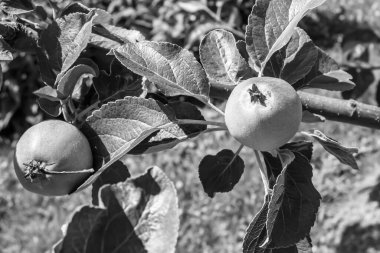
{"x": 263, "y": 113}
{"x": 52, "y": 146}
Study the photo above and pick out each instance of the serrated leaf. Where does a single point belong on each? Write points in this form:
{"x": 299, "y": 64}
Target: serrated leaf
{"x": 271, "y": 25}
{"x": 173, "y": 70}
{"x": 273, "y": 164}
{"x": 151, "y": 205}
{"x": 85, "y": 220}
{"x": 117, "y": 172}
{"x": 220, "y": 173}
{"x": 111, "y": 159}
{"x": 301, "y": 55}
{"x": 343, "y": 154}
{"x": 256, "y": 231}
{"x": 293, "y": 205}
{"x": 62, "y": 42}
{"x": 73, "y": 76}
{"x": 221, "y": 58}
{"x": 53, "y": 108}
{"x": 16, "y": 7}
{"x": 118, "y": 123}
{"x": 138, "y": 215}
{"x": 337, "y": 80}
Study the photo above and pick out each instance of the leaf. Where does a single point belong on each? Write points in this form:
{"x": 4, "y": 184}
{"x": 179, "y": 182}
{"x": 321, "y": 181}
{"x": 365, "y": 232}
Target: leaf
{"x": 221, "y": 58}
{"x": 150, "y": 203}
{"x": 363, "y": 79}
{"x": 343, "y": 154}
{"x": 16, "y": 7}
{"x": 220, "y": 173}
{"x": 138, "y": 215}
{"x": 117, "y": 123}
{"x": 121, "y": 82}
{"x": 48, "y": 93}
{"x": 116, "y": 173}
{"x": 337, "y": 80}
{"x": 85, "y": 221}
{"x": 73, "y": 76}
{"x": 201, "y": 29}
{"x": 113, "y": 158}
{"x": 256, "y": 231}
{"x": 301, "y": 55}
{"x": 271, "y": 25}
{"x": 119, "y": 33}
{"x": 62, "y": 42}
{"x": 303, "y": 246}
{"x": 173, "y": 70}
{"x": 303, "y": 147}
{"x": 323, "y": 64}
{"x": 293, "y": 205}
{"x": 53, "y": 108}
{"x": 5, "y": 51}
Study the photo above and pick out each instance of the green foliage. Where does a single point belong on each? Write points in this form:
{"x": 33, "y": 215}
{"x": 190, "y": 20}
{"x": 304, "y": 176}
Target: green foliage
{"x": 127, "y": 95}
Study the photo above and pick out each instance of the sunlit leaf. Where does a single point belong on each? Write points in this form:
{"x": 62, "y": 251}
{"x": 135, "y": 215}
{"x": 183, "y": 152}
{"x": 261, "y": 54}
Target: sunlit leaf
{"x": 221, "y": 58}
{"x": 343, "y": 154}
{"x": 173, "y": 70}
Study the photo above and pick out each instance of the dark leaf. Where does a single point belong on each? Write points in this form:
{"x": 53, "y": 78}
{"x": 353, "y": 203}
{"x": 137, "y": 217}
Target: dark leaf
{"x": 271, "y": 25}
{"x": 220, "y": 173}
{"x": 256, "y": 231}
{"x": 85, "y": 221}
{"x": 303, "y": 147}
{"x": 293, "y": 205}
{"x": 343, "y": 154}
{"x": 336, "y": 80}
{"x": 53, "y": 108}
{"x": 301, "y": 55}
{"x": 117, "y": 172}
{"x": 121, "y": 82}
{"x": 74, "y": 77}
{"x": 323, "y": 64}
{"x": 362, "y": 78}
{"x": 62, "y": 42}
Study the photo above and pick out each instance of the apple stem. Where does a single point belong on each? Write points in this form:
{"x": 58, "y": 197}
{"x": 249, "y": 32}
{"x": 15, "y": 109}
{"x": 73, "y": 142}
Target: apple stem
{"x": 263, "y": 173}
{"x": 256, "y": 95}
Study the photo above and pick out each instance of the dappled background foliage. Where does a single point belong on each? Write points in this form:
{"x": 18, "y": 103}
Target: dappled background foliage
{"x": 349, "y": 218}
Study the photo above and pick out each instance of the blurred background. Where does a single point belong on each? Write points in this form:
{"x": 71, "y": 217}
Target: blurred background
{"x": 349, "y": 216}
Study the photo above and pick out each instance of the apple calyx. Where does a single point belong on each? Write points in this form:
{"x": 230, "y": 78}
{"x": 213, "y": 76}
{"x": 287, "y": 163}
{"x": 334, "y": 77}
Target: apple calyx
{"x": 256, "y": 95}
